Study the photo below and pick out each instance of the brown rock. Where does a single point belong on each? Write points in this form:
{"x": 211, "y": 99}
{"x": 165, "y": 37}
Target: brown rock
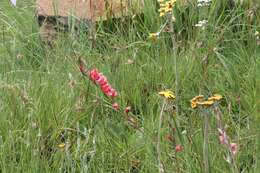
{"x": 88, "y": 9}
{"x": 53, "y": 12}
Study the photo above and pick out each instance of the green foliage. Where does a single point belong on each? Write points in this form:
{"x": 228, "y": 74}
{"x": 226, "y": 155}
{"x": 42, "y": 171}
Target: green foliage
{"x": 40, "y": 108}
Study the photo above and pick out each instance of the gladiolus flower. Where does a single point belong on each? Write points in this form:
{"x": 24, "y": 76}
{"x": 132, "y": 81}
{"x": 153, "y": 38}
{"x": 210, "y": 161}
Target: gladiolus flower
{"x": 115, "y": 106}
{"x": 99, "y": 79}
{"x": 223, "y": 139}
{"x": 178, "y": 148}
{"x": 233, "y": 148}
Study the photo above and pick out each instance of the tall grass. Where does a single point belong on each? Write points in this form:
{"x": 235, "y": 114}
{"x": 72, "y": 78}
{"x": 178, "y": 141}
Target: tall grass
{"x": 41, "y": 108}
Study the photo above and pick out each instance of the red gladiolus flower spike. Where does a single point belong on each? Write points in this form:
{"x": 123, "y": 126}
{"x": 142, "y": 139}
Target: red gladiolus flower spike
{"x": 99, "y": 79}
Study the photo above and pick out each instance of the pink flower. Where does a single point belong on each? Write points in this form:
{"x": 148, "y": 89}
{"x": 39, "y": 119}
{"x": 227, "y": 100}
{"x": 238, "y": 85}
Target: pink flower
{"x": 99, "y": 79}
{"x": 115, "y": 106}
{"x": 233, "y": 148}
{"x": 178, "y": 148}
{"x": 127, "y": 109}
{"x": 94, "y": 75}
{"x": 223, "y": 139}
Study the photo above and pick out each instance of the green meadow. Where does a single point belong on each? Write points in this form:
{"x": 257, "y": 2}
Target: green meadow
{"x": 55, "y": 119}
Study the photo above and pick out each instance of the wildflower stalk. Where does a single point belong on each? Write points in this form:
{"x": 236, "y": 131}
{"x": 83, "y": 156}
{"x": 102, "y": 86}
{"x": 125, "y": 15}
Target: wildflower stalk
{"x": 226, "y": 143}
{"x": 158, "y": 147}
{"x": 175, "y": 62}
{"x": 178, "y": 131}
{"x": 206, "y": 143}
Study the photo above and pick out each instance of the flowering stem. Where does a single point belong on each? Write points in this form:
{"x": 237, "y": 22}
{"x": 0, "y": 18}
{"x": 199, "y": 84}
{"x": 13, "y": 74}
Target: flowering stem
{"x": 175, "y": 63}
{"x": 178, "y": 131}
{"x": 235, "y": 169}
{"x": 160, "y": 165}
{"x": 206, "y": 143}
{"x": 220, "y": 126}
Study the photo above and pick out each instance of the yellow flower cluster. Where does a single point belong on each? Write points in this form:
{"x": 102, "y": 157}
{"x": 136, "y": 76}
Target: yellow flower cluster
{"x": 154, "y": 36}
{"x": 62, "y": 145}
{"x": 167, "y": 94}
{"x": 200, "y": 101}
{"x": 166, "y": 6}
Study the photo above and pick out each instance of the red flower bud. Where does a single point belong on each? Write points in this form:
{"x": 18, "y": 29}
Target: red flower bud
{"x": 234, "y": 148}
{"x": 115, "y": 106}
{"x": 178, "y": 148}
{"x": 127, "y": 109}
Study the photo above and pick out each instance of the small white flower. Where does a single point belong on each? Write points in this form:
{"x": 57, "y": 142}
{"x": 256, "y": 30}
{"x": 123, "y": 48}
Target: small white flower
{"x": 203, "y": 3}
{"x": 13, "y": 2}
{"x": 202, "y": 24}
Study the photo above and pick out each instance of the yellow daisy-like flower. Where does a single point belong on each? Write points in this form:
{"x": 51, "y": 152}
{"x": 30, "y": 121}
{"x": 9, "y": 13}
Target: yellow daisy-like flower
{"x": 199, "y": 101}
{"x": 154, "y": 36}
{"x": 62, "y": 145}
{"x": 215, "y": 97}
{"x": 193, "y": 105}
{"x": 166, "y": 6}
{"x": 206, "y": 103}
{"x": 162, "y": 14}
{"x": 168, "y": 9}
{"x": 167, "y": 94}
{"x": 195, "y": 100}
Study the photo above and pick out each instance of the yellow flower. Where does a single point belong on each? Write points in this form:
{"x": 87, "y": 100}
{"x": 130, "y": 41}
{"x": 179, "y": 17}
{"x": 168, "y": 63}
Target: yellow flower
{"x": 193, "y": 105}
{"x": 154, "y": 36}
{"x": 197, "y": 98}
{"x": 206, "y": 103}
{"x": 162, "y": 14}
{"x": 62, "y": 145}
{"x": 168, "y": 9}
{"x": 166, "y": 6}
{"x": 167, "y": 94}
{"x": 199, "y": 101}
{"x": 215, "y": 97}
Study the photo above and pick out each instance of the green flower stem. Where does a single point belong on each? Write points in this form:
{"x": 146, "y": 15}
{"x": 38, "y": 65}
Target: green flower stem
{"x": 206, "y": 144}
{"x": 160, "y": 165}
